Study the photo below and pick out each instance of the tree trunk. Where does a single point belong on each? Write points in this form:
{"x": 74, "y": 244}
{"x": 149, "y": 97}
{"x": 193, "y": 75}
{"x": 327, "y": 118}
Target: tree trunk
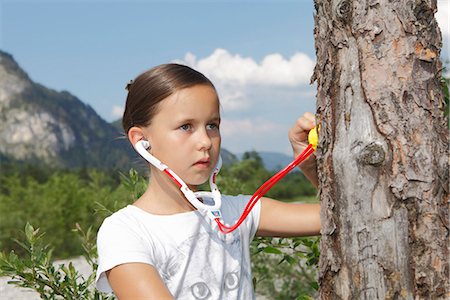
{"x": 383, "y": 150}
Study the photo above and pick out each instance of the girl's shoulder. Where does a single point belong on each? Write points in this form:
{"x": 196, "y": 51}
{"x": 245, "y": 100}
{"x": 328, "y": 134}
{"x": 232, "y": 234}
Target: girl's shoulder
{"x": 122, "y": 215}
{"x": 120, "y": 221}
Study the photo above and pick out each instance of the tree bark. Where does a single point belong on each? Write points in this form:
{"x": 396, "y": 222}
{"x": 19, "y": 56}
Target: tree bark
{"x": 383, "y": 150}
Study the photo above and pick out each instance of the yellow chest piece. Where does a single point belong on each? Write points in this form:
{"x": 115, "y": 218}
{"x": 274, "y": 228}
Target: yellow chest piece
{"x": 313, "y": 138}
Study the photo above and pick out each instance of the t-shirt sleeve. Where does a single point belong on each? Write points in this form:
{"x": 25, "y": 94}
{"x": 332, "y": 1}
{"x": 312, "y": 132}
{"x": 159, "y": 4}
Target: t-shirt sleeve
{"x": 255, "y": 217}
{"x": 118, "y": 243}
{"x": 252, "y": 220}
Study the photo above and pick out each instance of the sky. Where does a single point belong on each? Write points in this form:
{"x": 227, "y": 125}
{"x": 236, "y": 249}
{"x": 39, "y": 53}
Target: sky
{"x": 259, "y": 54}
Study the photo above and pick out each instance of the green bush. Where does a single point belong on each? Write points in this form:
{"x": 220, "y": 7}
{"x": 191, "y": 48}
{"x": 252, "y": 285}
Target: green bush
{"x": 36, "y": 269}
{"x": 54, "y": 206}
{"x": 285, "y": 268}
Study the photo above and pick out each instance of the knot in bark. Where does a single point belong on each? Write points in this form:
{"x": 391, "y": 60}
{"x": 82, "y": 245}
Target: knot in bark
{"x": 344, "y": 10}
{"x": 373, "y": 154}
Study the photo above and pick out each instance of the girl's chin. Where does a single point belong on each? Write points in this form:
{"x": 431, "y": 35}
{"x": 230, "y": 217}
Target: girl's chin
{"x": 195, "y": 181}
{"x": 196, "y": 186}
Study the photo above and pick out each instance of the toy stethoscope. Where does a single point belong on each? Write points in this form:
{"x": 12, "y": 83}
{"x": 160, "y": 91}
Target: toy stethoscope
{"x": 214, "y": 197}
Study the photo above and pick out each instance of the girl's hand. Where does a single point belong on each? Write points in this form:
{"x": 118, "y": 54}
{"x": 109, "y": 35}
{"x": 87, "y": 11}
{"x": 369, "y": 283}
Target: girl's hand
{"x": 298, "y": 136}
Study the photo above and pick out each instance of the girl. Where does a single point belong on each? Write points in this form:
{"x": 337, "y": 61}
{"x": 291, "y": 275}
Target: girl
{"x": 161, "y": 247}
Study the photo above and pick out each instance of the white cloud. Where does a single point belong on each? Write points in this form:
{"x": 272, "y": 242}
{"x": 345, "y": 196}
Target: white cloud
{"x": 442, "y": 17}
{"x": 233, "y": 100}
{"x": 257, "y": 134}
{"x": 117, "y": 111}
{"x": 235, "y": 77}
{"x": 274, "y": 70}
{"x": 248, "y": 127}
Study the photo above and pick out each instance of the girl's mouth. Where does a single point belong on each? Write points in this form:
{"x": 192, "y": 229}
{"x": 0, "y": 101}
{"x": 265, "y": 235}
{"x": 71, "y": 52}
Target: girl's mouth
{"x": 203, "y": 163}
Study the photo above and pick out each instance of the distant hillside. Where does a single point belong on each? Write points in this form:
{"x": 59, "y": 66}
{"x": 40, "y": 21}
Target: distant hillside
{"x": 117, "y": 124}
{"x": 273, "y": 161}
{"x": 42, "y": 126}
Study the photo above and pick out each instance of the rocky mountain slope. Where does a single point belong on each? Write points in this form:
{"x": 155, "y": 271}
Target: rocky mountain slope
{"x": 43, "y": 126}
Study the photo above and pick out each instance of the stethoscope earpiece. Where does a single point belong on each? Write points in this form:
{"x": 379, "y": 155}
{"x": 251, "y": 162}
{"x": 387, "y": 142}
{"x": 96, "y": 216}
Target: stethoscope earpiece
{"x": 144, "y": 143}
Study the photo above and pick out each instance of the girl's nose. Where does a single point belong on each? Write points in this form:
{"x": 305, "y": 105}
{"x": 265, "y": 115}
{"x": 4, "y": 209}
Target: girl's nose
{"x": 204, "y": 140}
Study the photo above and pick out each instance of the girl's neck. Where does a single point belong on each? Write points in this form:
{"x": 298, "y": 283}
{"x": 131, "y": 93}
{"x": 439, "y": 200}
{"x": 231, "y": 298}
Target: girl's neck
{"x": 163, "y": 197}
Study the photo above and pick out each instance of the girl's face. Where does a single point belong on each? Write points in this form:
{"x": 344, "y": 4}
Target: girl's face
{"x": 184, "y": 133}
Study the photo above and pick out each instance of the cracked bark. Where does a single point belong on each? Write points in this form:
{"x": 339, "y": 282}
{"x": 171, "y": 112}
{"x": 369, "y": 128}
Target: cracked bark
{"x": 383, "y": 150}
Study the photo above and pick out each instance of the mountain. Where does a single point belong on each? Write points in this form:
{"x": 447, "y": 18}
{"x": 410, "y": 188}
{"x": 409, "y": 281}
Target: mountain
{"x": 273, "y": 161}
{"x": 42, "y": 126}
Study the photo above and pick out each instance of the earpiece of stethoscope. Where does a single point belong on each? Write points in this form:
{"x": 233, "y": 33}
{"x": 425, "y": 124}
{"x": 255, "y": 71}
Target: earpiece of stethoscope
{"x": 141, "y": 147}
{"x": 214, "y": 197}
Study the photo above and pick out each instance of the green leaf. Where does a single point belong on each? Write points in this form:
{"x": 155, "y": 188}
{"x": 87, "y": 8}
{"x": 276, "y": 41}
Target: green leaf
{"x": 29, "y": 232}
{"x": 290, "y": 259}
{"x": 270, "y": 249}
{"x": 314, "y": 285}
{"x": 23, "y": 245}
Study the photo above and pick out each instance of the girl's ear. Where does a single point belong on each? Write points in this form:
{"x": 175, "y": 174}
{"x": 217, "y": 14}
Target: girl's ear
{"x": 136, "y": 134}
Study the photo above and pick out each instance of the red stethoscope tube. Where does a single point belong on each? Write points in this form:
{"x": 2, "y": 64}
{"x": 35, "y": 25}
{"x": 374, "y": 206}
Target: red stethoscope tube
{"x": 264, "y": 189}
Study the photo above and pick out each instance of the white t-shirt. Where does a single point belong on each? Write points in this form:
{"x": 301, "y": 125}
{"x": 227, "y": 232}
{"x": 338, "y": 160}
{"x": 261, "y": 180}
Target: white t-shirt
{"x": 193, "y": 258}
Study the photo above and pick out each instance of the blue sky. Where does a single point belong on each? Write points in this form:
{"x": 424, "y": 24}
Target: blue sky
{"x": 260, "y": 55}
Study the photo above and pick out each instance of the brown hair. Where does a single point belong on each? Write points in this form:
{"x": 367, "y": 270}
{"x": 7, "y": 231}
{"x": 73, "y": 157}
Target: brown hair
{"x": 154, "y": 85}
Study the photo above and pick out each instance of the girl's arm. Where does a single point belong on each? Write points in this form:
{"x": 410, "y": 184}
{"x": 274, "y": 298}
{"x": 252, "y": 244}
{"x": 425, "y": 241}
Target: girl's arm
{"x": 288, "y": 219}
{"x": 137, "y": 281}
{"x": 292, "y": 219}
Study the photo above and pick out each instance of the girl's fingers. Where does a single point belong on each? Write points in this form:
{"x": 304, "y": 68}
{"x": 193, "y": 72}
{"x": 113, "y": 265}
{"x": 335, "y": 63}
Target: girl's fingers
{"x": 299, "y": 132}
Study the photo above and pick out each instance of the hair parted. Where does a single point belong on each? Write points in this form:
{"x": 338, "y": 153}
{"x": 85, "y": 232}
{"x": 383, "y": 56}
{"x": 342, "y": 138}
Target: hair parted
{"x": 154, "y": 85}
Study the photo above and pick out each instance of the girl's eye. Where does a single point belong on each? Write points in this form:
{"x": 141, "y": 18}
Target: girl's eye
{"x": 212, "y": 126}
{"x": 185, "y": 127}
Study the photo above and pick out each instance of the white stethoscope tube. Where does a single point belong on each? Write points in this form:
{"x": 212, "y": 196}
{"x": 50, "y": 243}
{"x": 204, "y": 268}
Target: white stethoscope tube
{"x": 213, "y": 210}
